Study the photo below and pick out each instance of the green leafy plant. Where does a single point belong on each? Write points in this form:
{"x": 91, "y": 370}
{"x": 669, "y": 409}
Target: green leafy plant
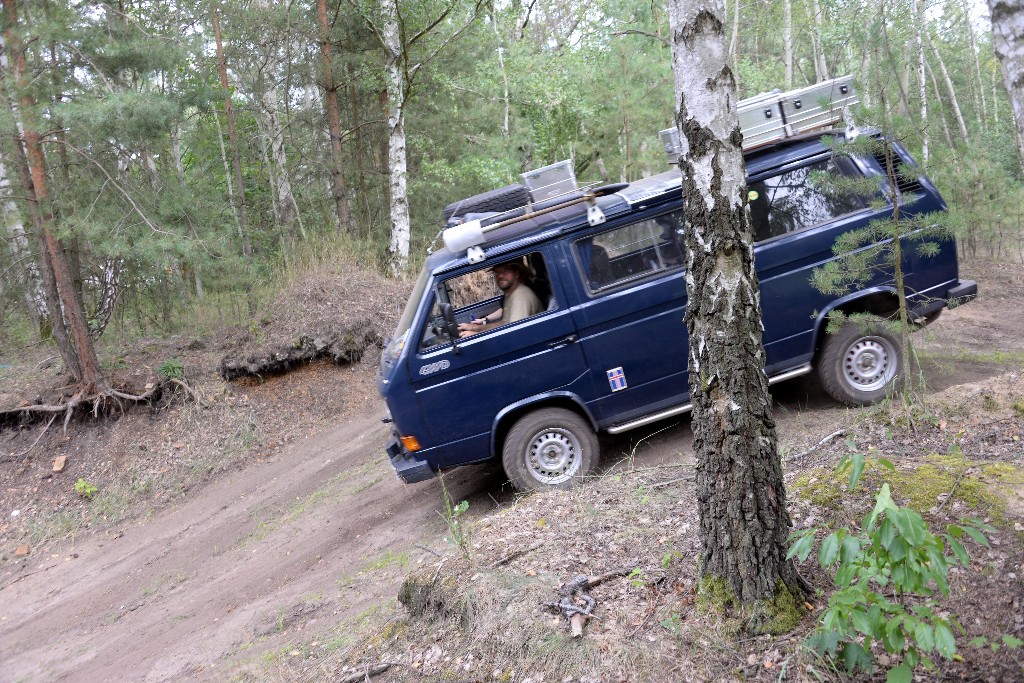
{"x": 172, "y": 368}
{"x": 637, "y": 578}
{"x": 85, "y": 489}
{"x": 458, "y": 533}
{"x": 667, "y": 558}
{"x": 887, "y": 575}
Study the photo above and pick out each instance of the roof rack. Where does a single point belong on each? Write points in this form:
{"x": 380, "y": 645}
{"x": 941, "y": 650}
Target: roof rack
{"x": 775, "y": 116}
{"x": 764, "y": 119}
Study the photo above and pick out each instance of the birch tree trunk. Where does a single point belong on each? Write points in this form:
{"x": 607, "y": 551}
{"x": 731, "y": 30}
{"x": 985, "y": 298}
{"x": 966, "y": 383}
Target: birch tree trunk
{"x": 922, "y": 83}
{"x": 972, "y": 43}
{"x": 787, "y": 44}
{"x": 236, "y": 159}
{"x": 285, "y": 205}
{"x": 24, "y": 261}
{"x": 333, "y": 122}
{"x": 400, "y": 229}
{"x": 818, "y": 20}
{"x": 953, "y": 102}
{"x": 1008, "y": 43}
{"x": 740, "y": 493}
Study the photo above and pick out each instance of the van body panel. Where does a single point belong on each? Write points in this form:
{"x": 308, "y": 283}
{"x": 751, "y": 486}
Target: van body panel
{"x": 617, "y": 350}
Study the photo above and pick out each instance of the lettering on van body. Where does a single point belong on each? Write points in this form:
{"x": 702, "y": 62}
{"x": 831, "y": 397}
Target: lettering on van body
{"x": 434, "y": 367}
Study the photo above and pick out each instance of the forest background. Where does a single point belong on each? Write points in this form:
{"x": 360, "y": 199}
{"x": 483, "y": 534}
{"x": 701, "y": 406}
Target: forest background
{"x": 192, "y": 152}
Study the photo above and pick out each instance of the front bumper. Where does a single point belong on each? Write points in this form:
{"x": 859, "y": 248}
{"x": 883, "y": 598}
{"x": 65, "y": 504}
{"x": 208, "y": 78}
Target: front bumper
{"x": 408, "y": 468}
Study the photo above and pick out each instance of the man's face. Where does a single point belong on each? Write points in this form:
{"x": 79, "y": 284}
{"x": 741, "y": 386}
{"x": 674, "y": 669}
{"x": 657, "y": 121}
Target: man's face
{"x": 506, "y": 278}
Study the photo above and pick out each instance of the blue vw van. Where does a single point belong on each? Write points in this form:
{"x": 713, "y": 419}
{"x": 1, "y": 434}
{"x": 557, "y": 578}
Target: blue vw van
{"x": 606, "y": 349}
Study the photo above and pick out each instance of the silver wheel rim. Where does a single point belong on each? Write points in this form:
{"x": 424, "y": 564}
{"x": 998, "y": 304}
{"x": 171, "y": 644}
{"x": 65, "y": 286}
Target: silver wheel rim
{"x": 869, "y": 364}
{"x": 553, "y": 456}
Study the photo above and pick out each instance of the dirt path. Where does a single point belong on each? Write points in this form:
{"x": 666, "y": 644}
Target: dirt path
{"x": 236, "y": 565}
{"x": 318, "y": 535}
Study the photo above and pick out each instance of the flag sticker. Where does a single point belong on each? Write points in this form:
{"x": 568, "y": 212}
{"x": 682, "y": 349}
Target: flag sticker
{"x": 617, "y": 379}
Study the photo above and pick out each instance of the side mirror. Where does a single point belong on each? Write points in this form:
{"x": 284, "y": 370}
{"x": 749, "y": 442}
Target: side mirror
{"x": 450, "y": 326}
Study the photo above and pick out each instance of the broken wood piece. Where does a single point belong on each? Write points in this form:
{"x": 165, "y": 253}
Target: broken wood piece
{"x": 576, "y": 625}
{"x": 365, "y": 674}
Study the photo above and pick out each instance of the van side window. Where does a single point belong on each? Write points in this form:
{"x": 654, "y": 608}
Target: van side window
{"x": 801, "y": 197}
{"x": 476, "y": 296}
{"x": 631, "y": 251}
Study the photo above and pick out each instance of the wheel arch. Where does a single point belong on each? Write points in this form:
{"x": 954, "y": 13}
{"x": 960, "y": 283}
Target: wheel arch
{"x": 504, "y": 420}
{"x": 882, "y": 301}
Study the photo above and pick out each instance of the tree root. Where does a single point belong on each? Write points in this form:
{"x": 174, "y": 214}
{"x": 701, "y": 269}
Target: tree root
{"x": 95, "y": 402}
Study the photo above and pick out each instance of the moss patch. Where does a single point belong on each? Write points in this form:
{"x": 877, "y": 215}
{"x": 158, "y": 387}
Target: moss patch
{"x": 977, "y": 484}
{"x": 779, "y": 614}
{"x": 821, "y": 488}
{"x": 980, "y": 485}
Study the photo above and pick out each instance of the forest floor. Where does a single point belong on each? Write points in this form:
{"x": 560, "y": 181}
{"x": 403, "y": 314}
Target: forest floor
{"x": 260, "y": 535}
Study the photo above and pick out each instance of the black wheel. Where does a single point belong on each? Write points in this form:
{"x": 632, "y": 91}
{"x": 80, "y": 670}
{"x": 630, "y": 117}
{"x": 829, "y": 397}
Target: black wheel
{"x": 549, "y": 448}
{"x": 501, "y": 199}
{"x": 860, "y": 365}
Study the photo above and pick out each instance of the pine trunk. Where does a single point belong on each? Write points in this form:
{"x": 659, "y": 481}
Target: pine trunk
{"x": 76, "y": 347}
{"x": 333, "y": 121}
{"x": 740, "y": 493}
{"x": 1008, "y": 42}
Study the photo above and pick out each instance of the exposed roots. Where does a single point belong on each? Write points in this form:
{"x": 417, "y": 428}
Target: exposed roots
{"x": 103, "y": 402}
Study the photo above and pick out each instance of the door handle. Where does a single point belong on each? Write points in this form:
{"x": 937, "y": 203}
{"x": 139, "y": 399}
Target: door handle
{"x": 571, "y": 339}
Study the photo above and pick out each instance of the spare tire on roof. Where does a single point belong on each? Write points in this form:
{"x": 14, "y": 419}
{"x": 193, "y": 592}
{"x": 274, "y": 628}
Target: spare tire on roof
{"x": 501, "y": 199}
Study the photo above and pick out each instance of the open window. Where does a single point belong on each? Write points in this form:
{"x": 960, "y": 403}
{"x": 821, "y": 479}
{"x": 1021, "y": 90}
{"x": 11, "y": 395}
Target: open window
{"x": 476, "y": 295}
{"x": 631, "y": 251}
{"x": 802, "y": 197}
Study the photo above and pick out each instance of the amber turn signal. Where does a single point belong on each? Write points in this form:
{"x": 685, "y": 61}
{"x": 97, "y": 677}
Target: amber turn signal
{"x": 410, "y": 443}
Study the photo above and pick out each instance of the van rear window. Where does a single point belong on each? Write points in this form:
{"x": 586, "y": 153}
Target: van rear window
{"x": 631, "y": 251}
{"x": 801, "y": 198}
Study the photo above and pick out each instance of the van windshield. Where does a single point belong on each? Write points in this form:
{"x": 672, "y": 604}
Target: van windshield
{"x": 397, "y": 341}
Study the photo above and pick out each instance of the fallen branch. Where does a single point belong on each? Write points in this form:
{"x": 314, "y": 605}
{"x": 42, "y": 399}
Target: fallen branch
{"x": 515, "y": 555}
{"x": 827, "y": 439}
{"x": 663, "y": 484}
{"x": 952, "y": 490}
{"x": 432, "y": 552}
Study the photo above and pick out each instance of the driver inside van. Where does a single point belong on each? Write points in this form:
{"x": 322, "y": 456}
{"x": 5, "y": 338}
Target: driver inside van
{"x": 518, "y": 300}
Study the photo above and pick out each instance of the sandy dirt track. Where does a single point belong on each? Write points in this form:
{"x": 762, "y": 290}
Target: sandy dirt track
{"x": 270, "y": 548}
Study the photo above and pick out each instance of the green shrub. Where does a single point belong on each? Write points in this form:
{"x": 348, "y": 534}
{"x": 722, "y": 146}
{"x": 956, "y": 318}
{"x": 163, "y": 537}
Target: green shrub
{"x": 887, "y": 575}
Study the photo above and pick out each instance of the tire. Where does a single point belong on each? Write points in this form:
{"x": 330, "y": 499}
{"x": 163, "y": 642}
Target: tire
{"x": 551, "y": 448}
{"x": 501, "y": 199}
{"x": 860, "y": 366}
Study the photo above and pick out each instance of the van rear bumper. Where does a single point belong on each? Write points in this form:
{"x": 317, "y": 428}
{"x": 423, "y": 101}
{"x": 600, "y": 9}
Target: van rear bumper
{"x": 409, "y": 469}
{"x": 962, "y": 293}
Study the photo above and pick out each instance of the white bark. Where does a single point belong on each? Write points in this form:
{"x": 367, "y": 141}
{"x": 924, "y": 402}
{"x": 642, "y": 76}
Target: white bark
{"x": 24, "y": 261}
{"x": 972, "y": 43}
{"x": 735, "y": 39}
{"x": 1008, "y": 43}
{"x": 961, "y": 124}
{"x": 400, "y": 229}
{"x": 279, "y": 167}
{"x": 820, "y": 65}
{"x": 922, "y": 82}
{"x": 787, "y": 44}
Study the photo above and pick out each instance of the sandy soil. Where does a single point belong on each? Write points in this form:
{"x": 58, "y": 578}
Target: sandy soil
{"x": 317, "y": 530}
